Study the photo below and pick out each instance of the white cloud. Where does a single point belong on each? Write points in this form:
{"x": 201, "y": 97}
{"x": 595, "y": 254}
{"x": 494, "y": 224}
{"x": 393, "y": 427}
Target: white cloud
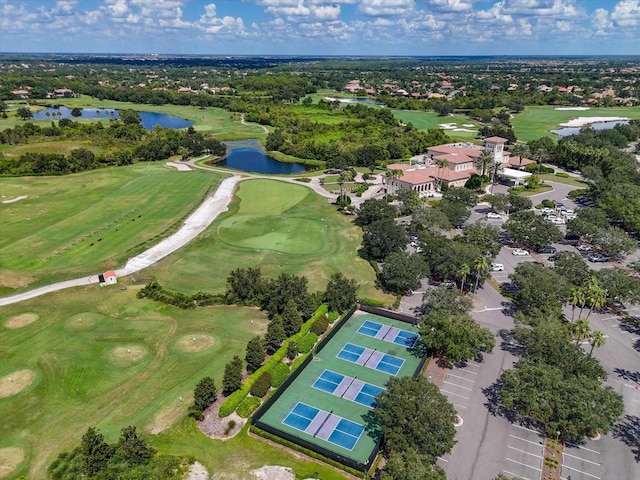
{"x": 543, "y": 8}
{"x": 601, "y": 22}
{"x": 451, "y": 5}
{"x": 376, "y": 8}
{"x": 117, "y": 8}
{"x": 627, "y": 13}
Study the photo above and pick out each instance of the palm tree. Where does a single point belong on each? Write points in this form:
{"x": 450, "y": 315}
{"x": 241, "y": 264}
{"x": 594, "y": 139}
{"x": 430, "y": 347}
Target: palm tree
{"x": 596, "y": 340}
{"x": 577, "y": 297}
{"x": 495, "y": 170}
{"x": 581, "y": 330}
{"x": 481, "y": 266}
{"x": 440, "y": 163}
{"x": 541, "y": 156}
{"x": 483, "y": 162}
{"x": 464, "y": 271}
{"x": 392, "y": 175}
{"x": 520, "y": 150}
{"x": 597, "y": 297}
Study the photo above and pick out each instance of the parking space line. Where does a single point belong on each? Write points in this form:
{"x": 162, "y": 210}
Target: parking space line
{"x": 528, "y": 441}
{"x": 458, "y": 405}
{"x": 456, "y": 394}
{"x": 581, "y": 448}
{"x": 524, "y": 451}
{"x": 581, "y": 459}
{"x": 458, "y": 386}
{"x": 527, "y": 429}
{"x": 467, "y": 371}
{"x": 523, "y": 464}
{"x": 580, "y": 471}
{"x": 517, "y": 476}
{"x": 462, "y": 378}
{"x": 473, "y": 364}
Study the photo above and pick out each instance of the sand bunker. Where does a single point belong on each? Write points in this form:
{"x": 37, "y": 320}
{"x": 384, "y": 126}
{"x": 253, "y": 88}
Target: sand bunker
{"x": 10, "y": 458}
{"x": 580, "y": 109}
{"x": 582, "y": 121}
{"x": 128, "y": 354}
{"x": 181, "y": 167}
{"x": 21, "y": 320}
{"x": 195, "y": 342}
{"x": 463, "y": 130}
{"x": 448, "y": 126}
{"x": 273, "y": 472}
{"x": 15, "y": 382}
{"x": 15, "y": 199}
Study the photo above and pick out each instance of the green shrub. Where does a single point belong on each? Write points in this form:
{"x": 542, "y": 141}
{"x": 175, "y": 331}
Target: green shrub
{"x": 261, "y": 386}
{"x": 573, "y": 194}
{"x": 562, "y": 175}
{"x": 279, "y": 374}
{"x": 231, "y": 425}
{"x": 248, "y": 406}
{"x": 547, "y": 203}
{"x": 320, "y": 326}
{"x": 303, "y": 179}
{"x": 372, "y": 302}
{"x": 307, "y": 342}
{"x": 396, "y": 304}
{"x": 333, "y": 316}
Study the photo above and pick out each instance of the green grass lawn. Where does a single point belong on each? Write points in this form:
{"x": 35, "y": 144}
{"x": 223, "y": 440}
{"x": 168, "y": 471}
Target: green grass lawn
{"x": 85, "y": 376}
{"x": 88, "y": 222}
{"x": 426, "y": 120}
{"x": 567, "y": 181}
{"x": 535, "y": 122}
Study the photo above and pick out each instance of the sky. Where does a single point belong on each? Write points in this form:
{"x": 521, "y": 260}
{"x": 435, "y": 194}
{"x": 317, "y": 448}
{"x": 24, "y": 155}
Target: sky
{"x": 322, "y": 27}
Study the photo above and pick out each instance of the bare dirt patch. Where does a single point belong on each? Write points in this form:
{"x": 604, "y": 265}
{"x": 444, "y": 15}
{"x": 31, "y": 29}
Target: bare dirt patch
{"x": 15, "y": 199}
{"x": 220, "y": 428}
{"x": 169, "y": 415}
{"x": 128, "y": 354}
{"x": 10, "y": 458}
{"x": 181, "y": 167}
{"x": 195, "y": 342}
{"x": 15, "y": 382}
{"x": 21, "y": 320}
{"x": 197, "y": 471}
{"x": 14, "y": 280}
{"x": 274, "y": 472}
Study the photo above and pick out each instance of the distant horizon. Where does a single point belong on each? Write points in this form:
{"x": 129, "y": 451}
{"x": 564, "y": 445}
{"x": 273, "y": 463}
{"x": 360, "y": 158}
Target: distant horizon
{"x": 362, "y": 28}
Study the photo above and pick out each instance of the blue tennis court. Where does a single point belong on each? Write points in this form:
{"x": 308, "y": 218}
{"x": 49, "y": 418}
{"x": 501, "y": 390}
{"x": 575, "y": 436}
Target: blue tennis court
{"x": 324, "y": 425}
{"x": 349, "y": 388}
{"x": 388, "y": 334}
{"x": 371, "y": 358}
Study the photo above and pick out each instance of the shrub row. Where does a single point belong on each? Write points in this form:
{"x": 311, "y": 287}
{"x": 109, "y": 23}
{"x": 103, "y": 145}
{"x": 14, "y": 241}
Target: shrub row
{"x": 306, "y": 343}
{"x": 562, "y": 175}
{"x": 154, "y": 291}
{"x": 279, "y": 374}
{"x": 248, "y": 406}
{"x": 261, "y": 386}
{"x": 233, "y": 400}
{"x": 372, "y": 302}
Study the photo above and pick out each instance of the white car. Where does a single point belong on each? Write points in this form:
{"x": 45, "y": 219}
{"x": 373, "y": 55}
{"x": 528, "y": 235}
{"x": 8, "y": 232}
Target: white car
{"x": 494, "y": 215}
{"x": 558, "y": 221}
{"x": 584, "y": 247}
{"x": 497, "y": 267}
{"x": 546, "y": 210}
{"x": 519, "y": 252}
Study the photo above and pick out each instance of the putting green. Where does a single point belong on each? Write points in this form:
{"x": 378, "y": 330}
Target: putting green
{"x": 283, "y": 234}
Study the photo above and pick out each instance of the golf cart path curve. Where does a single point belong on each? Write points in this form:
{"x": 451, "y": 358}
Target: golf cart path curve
{"x": 193, "y": 226}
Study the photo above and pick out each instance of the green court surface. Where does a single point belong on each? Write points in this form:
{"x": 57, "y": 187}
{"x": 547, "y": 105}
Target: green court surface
{"x": 302, "y": 390}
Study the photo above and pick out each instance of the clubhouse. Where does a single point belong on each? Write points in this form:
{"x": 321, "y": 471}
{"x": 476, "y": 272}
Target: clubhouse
{"x": 424, "y": 175}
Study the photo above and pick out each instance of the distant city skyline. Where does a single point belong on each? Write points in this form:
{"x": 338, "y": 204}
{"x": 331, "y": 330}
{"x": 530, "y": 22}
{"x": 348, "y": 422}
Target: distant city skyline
{"x": 322, "y": 27}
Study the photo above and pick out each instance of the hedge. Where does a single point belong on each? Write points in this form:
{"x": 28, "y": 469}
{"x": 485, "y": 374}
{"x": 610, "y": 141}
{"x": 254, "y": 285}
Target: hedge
{"x": 261, "y": 386}
{"x": 372, "y": 302}
{"x": 279, "y": 374}
{"x": 305, "y": 345}
{"x": 562, "y": 175}
{"x": 333, "y": 316}
{"x": 233, "y": 400}
{"x": 248, "y": 406}
{"x": 320, "y": 326}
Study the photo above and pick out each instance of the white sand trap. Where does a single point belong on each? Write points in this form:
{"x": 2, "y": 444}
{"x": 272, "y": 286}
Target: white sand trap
{"x": 582, "y": 121}
{"x": 15, "y": 199}
{"x": 15, "y": 382}
{"x": 273, "y": 472}
{"x": 195, "y": 342}
{"x": 179, "y": 166}
{"x": 468, "y": 125}
{"x": 21, "y": 320}
{"x": 10, "y": 458}
{"x": 197, "y": 471}
{"x": 448, "y": 126}
{"x": 580, "y": 109}
{"x": 127, "y": 355}
{"x": 463, "y": 130}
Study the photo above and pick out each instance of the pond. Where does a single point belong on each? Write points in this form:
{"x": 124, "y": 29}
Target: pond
{"x": 566, "y": 131}
{"x": 149, "y": 119}
{"x": 364, "y": 100}
{"x": 248, "y": 156}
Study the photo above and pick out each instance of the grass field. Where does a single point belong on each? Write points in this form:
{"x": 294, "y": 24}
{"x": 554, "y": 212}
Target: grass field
{"x": 280, "y": 213}
{"x": 103, "y": 358}
{"x": 426, "y": 120}
{"x": 88, "y": 222}
{"x": 535, "y": 122}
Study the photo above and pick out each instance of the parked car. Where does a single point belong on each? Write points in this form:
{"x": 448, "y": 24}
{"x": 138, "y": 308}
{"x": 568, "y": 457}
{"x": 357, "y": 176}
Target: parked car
{"x": 558, "y": 221}
{"x": 547, "y": 249}
{"x": 494, "y": 215}
{"x": 497, "y": 267}
{"x": 552, "y": 258}
{"x": 519, "y": 252}
{"x": 443, "y": 282}
{"x": 583, "y": 247}
{"x": 598, "y": 258}
{"x": 546, "y": 210}
{"x": 505, "y": 239}
{"x": 571, "y": 239}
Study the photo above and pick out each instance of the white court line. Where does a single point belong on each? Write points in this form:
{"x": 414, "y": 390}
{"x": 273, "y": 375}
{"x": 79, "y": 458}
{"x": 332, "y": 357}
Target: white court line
{"x": 462, "y": 378}
{"x": 528, "y": 441}
{"x": 525, "y": 428}
{"x": 581, "y": 448}
{"x": 581, "y": 459}
{"x": 580, "y": 471}
{"x": 458, "y": 386}
{"x": 523, "y": 464}
{"x": 518, "y": 476}
{"x": 456, "y": 394}
{"x": 524, "y": 451}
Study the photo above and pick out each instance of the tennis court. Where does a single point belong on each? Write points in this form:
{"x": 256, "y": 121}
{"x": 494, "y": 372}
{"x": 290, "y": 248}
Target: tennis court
{"x": 349, "y": 388}
{"x": 388, "y": 333}
{"x": 327, "y": 405}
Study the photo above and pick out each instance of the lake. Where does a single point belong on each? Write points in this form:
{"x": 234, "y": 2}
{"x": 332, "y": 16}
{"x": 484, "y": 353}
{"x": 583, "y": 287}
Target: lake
{"x": 149, "y": 119}
{"x": 566, "y": 131}
{"x": 253, "y": 159}
{"x": 364, "y": 100}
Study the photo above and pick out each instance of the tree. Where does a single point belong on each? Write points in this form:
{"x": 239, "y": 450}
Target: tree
{"x": 76, "y": 112}
{"x": 572, "y": 267}
{"x": 372, "y": 210}
{"x": 440, "y": 163}
{"x": 446, "y": 300}
{"x": 285, "y": 287}
{"x": 480, "y": 267}
{"x": 402, "y": 271}
{"x": 232, "y": 379}
{"x": 129, "y": 117}
{"x": 245, "y": 285}
{"x": 597, "y": 339}
{"x": 410, "y": 465}
{"x": 415, "y": 415}
{"x": 520, "y": 150}
{"x": 483, "y": 236}
{"x": 483, "y": 162}
{"x": 456, "y": 337}
{"x": 133, "y": 449}
{"x": 24, "y": 113}
{"x": 468, "y": 198}
{"x": 580, "y": 330}
{"x": 539, "y": 290}
{"x": 409, "y": 201}
{"x": 340, "y": 294}
{"x": 619, "y": 285}
{"x": 204, "y": 394}
{"x": 456, "y": 212}
{"x": 95, "y": 452}
{"x": 540, "y": 156}
{"x": 518, "y": 203}
{"x": 292, "y": 350}
{"x": 614, "y": 241}
{"x": 498, "y": 201}
{"x": 529, "y": 227}
{"x": 291, "y": 318}
{"x": 275, "y": 335}
{"x": 464, "y": 271}
{"x": 255, "y": 354}
{"x": 382, "y": 238}
{"x": 430, "y": 219}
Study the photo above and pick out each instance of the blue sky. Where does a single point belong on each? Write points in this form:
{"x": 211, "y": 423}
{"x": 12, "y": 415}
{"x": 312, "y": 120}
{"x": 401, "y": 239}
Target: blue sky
{"x": 323, "y": 27}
